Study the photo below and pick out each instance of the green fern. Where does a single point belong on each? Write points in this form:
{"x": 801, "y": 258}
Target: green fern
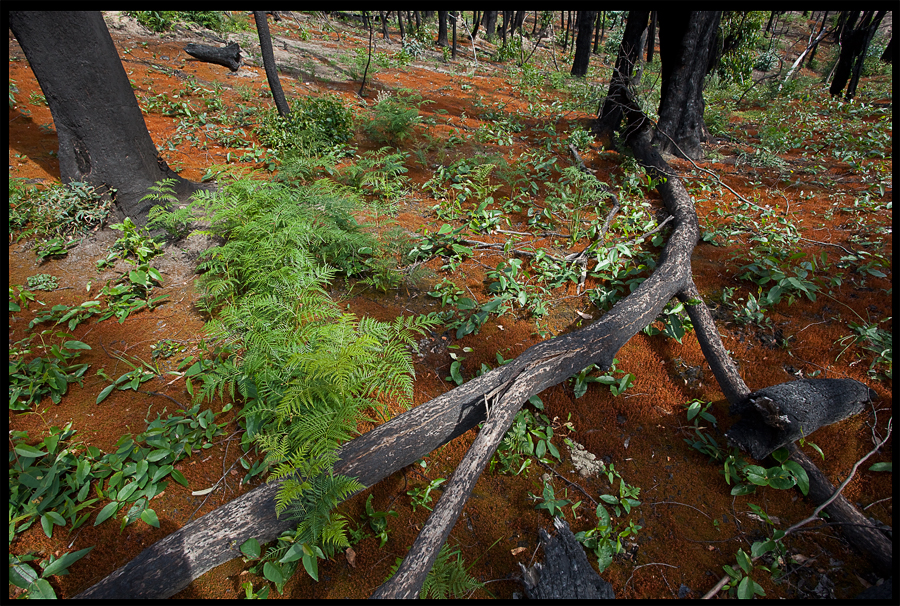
{"x": 309, "y": 374}
{"x": 447, "y": 578}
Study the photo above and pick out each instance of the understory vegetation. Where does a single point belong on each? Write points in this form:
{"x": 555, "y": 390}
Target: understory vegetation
{"x": 510, "y": 226}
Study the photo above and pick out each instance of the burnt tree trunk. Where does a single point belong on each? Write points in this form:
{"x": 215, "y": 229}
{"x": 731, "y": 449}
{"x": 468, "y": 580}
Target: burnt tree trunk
{"x": 229, "y": 56}
{"x": 565, "y": 573}
{"x": 611, "y": 112}
{"x": 490, "y": 24}
{"x": 651, "y": 37}
{"x": 686, "y": 39}
{"x": 582, "y": 60}
{"x": 103, "y": 139}
{"x": 855, "y": 37}
{"x": 268, "y": 56}
{"x": 442, "y": 29}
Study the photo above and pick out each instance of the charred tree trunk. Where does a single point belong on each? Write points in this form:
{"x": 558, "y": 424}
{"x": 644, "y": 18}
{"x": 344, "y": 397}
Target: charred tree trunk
{"x": 582, "y": 60}
{"x": 685, "y": 43}
{"x": 229, "y": 56}
{"x": 454, "y": 17}
{"x": 651, "y": 37}
{"x": 565, "y": 573}
{"x": 268, "y": 56}
{"x": 442, "y": 29}
{"x": 384, "y": 27}
{"x": 490, "y": 24}
{"x": 611, "y": 112}
{"x": 103, "y": 139}
{"x": 888, "y": 55}
{"x": 854, "y": 45}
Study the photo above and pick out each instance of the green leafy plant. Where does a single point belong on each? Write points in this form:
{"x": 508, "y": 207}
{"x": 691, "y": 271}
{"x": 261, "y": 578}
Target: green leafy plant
{"x": 59, "y": 210}
{"x": 530, "y": 435}
{"x": 448, "y": 578}
{"x": 616, "y": 385}
{"x": 378, "y": 521}
{"x": 30, "y": 381}
{"x": 747, "y": 477}
{"x": 43, "y": 282}
{"x": 54, "y": 248}
{"x": 395, "y": 118}
{"x": 421, "y": 495}
{"x": 24, "y": 576}
{"x": 606, "y": 539}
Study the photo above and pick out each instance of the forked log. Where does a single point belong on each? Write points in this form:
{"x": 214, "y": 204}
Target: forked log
{"x": 172, "y": 563}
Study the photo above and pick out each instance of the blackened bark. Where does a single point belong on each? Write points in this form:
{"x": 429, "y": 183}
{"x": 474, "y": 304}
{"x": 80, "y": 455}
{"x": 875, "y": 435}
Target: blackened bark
{"x": 776, "y": 416}
{"x": 888, "y": 55}
{"x": 454, "y": 18}
{"x": 442, "y": 29}
{"x": 400, "y": 25}
{"x": 869, "y": 26}
{"x": 490, "y": 24}
{"x": 229, "y": 56}
{"x": 597, "y": 33}
{"x": 103, "y": 139}
{"x": 582, "y": 59}
{"x": 268, "y": 56}
{"x": 651, "y": 37}
{"x": 686, "y": 39}
{"x": 855, "y": 527}
{"x": 565, "y": 573}
{"x": 611, "y": 112}
{"x": 384, "y": 27}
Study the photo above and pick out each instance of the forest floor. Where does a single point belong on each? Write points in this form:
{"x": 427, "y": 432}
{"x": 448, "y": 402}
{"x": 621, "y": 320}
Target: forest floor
{"x": 691, "y": 526}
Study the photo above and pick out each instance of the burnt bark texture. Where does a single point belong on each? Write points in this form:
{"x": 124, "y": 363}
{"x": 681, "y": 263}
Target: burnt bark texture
{"x": 490, "y": 24}
{"x": 103, "y": 139}
{"x": 582, "y": 59}
{"x": 855, "y": 527}
{"x": 686, "y": 40}
{"x": 229, "y": 56}
{"x": 565, "y": 573}
{"x": 778, "y": 415}
{"x": 856, "y": 35}
{"x": 268, "y": 56}
{"x": 442, "y": 29}
{"x": 611, "y": 112}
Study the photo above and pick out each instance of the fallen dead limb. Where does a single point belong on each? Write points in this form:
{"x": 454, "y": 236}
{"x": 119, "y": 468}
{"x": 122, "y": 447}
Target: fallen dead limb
{"x": 834, "y": 507}
{"x": 169, "y": 565}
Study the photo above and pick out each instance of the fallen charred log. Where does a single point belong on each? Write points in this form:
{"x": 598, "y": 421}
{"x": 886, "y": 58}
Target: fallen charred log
{"x": 229, "y": 56}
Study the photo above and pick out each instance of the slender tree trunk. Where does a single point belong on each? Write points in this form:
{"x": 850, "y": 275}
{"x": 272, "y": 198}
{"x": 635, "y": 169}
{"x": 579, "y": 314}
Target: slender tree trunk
{"x": 582, "y": 60}
{"x": 611, "y": 112}
{"x": 476, "y": 22}
{"x": 597, "y": 32}
{"x": 651, "y": 37}
{"x": 384, "y": 27}
{"x": 490, "y": 24}
{"x": 400, "y": 26}
{"x": 819, "y": 36}
{"x": 442, "y": 29}
{"x": 268, "y": 55}
{"x": 863, "y": 37}
{"x": 103, "y": 139}
{"x": 455, "y": 17}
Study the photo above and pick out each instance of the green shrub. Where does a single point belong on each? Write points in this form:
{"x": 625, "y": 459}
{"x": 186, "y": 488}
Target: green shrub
{"x": 395, "y": 118}
{"x": 315, "y": 125}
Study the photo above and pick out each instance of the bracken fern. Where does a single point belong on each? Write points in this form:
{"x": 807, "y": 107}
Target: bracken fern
{"x": 309, "y": 373}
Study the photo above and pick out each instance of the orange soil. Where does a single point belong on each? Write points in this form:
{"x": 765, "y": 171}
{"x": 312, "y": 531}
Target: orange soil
{"x": 691, "y": 525}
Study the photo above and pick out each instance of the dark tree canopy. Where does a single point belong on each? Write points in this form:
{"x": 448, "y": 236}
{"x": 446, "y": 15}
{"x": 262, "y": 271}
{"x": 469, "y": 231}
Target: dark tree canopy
{"x": 103, "y": 139}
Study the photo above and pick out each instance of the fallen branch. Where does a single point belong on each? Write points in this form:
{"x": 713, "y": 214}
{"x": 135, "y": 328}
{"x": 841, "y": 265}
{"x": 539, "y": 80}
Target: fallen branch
{"x": 865, "y": 527}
